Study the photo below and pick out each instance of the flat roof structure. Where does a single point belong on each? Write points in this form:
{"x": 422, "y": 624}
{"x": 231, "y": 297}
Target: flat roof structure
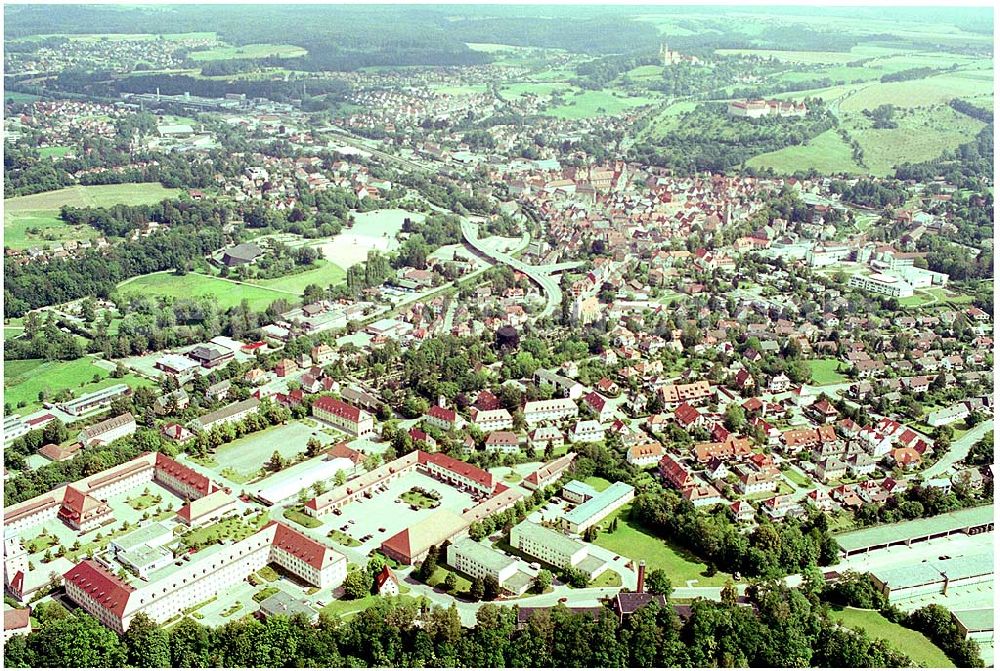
{"x": 975, "y": 620}
{"x": 975, "y": 519}
{"x": 493, "y": 560}
{"x": 599, "y": 502}
{"x": 146, "y": 535}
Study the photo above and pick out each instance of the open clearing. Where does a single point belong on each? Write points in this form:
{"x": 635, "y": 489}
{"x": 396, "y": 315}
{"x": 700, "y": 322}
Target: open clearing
{"x": 633, "y": 542}
{"x": 24, "y": 379}
{"x": 922, "y": 134}
{"x": 41, "y": 211}
{"x": 249, "y": 51}
{"x": 596, "y": 103}
{"x": 824, "y": 371}
{"x": 912, "y": 643}
{"x": 227, "y": 293}
{"x": 376, "y": 229}
{"x": 326, "y": 274}
{"x": 827, "y": 153}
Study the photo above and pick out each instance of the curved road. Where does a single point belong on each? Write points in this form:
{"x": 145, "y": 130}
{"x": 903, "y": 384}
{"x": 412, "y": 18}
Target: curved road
{"x": 537, "y": 274}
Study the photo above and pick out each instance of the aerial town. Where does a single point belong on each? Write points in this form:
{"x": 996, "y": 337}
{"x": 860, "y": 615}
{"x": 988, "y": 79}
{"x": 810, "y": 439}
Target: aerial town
{"x": 601, "y": 344}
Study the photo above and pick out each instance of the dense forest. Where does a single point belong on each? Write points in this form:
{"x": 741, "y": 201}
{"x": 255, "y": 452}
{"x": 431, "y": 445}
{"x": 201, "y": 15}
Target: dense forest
{"x": 778, "y": 626}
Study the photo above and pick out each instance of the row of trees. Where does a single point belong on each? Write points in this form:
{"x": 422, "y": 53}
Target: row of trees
{"x": 786, "y": 627}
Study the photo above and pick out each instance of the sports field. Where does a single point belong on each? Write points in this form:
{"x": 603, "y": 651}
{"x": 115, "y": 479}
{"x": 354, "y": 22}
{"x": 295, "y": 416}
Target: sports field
{"x": 249, "y": 51}
{"x": 635, "y": 543}
{"x": 227, "y": 293}
{"x": 911, "y": 643}
{"x": 23, "y": 379}
{"x": 827, "y": 153}
{"x": 40, "y": 212}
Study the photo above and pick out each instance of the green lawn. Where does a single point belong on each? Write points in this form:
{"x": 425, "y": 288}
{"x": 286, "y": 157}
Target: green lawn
{"x": 233, "y": 528}
{"x": 299, "y": 517}
{"x": 248, "y": 51}
{"x": 607, "y": 579}
{"x": 228, "y": 294}
{"x": 23, "y": 379}
{"x": 796, "y": 477}
{"x": 340, "y": 538}
{"x": 912, "y": 643}
{"x": 600, "y": 484}
{"x": 462, "y": 584}
{"x": 824, "y": 371}
{"x": 324, "y": 275}
{"x": 346, "y": 608}
{"x": 41, "y": 211}
{"x": 634, "y": 542}
{"x": 54, "y": 152}
{"x": 415, "y": 498}
{"x": 827, "y": 153}
{"x": 541, "y": 89}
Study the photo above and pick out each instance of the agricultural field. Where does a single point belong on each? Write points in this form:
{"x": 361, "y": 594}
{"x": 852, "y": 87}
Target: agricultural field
{"x": 326, "y": 274}
{"x": 630, "y": 540}
{"x": 222, "y": 53}
{"x": 597, "y": 103}
{"x": 666, "y": 119}
{"x": 24, "y": 379}
{"x": 934, "y": 90}
{"x": 826, "y": 153}
{"x": 33, "y": 220}
{"x": 912, "y": 643}
{"x": 228, "y": 293}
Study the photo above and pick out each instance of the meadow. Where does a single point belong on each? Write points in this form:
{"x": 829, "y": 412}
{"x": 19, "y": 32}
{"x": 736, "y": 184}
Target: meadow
{"x": 24, "y": 379}
{"x": 827, "y": 153}
{"x": 596, "y": 103}
{"x": 324, "y": 275}
{"x": 933, "y": 90}
{"x": 228, "y": 293}
{"x": 41, "y": 210}
{"x": 911, "y": 643}
{"x": 222, "y": 53}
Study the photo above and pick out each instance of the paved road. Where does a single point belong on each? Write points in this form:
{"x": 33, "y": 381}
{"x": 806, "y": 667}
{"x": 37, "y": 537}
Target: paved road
{"x": 537, "y": 274}
{"x": 959, "y": 449}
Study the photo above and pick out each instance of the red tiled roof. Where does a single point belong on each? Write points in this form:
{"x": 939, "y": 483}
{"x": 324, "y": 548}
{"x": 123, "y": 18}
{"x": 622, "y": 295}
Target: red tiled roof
{"x": 308, "y": 550}
{"x": 337, "y": 407}
{"x": 103, "y": 587}
{"x": 487, "y": 400}
{"x": 674, "y": 471}
{"x": 186, "y": 475}
{"x": 686, "y": 414}
{"x": 458, "y": 467}
{"x": 16, "y": 618}
{"x": 444, "y": 414}
{"x": 384, "y": 576}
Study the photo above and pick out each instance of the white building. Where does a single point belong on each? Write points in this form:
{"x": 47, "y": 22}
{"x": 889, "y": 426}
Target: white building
{"x": 555, "y": 410}
{"x": 587, "y": 431}
{"x": 555, "y": 549}
{"x": 479, "y": 561}
{"x": 492, "y": 420}
{"x": 881, "y": 283}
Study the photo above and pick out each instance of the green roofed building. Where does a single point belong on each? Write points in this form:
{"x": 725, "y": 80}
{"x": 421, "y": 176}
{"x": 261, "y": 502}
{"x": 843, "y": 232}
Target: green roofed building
{"x": 478, "y": 561}
{"x": 596, "y": 508}
{"x": 975, "y": 623}
{"x": 555, "y": 548}
{"x": 937, "y": 576}
{"x": 969, "y": 521}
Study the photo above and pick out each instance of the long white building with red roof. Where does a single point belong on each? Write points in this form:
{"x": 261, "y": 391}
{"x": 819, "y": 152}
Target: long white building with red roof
{"x": 170, "y": 590}
{"x": 344, "y": 416}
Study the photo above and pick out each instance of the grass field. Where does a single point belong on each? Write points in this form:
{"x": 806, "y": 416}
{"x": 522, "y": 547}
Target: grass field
{"x": 607, "y": 579}
{"x": 249, "y": 51}
{"x": 827, "y": 153}
{"x": 824, "y": 371}
{"x": 922, "y": 134}
{"x": 41, "y": 210}
{"x": 666, "y": 119}
{"x": 633, "y": 542}
{"x": 935, "y": 90}
{"x": 347, "y": 608}
{"x": 600, "y": 484}
{"x": 191, "y": 285}
{"x": 912, "y": 643}
{"x": 54, "y": 152}
{"x": 542, "y": 89}
{"x": 23, "y": 379}
{"x": 597, "y": 103}
{"x": 324, "y": 275}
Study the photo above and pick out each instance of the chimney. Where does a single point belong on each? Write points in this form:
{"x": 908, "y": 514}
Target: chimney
{"x": 641, "y": 583}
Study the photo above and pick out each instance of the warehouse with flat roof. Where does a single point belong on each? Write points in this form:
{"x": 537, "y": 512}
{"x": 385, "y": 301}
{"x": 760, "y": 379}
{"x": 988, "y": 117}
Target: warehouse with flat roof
{"x": 935, "y": 576}
{"x": 968, "y": 521}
